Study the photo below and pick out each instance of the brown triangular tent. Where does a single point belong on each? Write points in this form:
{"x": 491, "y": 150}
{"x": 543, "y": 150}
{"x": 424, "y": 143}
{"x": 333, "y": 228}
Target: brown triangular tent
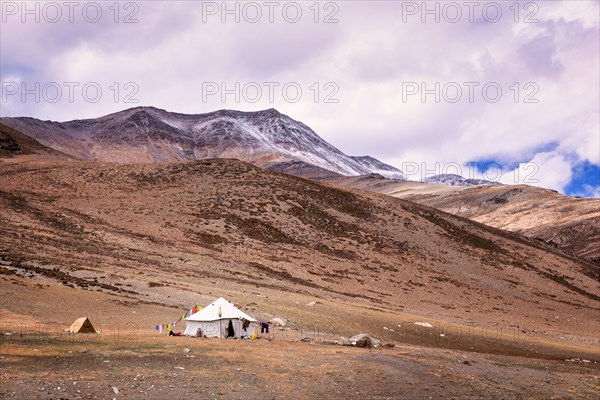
{"x": 82, "y": 325}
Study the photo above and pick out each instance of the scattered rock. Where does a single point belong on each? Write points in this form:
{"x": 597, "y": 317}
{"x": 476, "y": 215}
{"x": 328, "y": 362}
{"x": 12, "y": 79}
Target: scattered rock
{"x": 306, "y": 339}
{"x": 311, "y": 304}
{"x": 186, "y": 350}
{"x": 577, "y": 359}
{"x": 115, "y": 390}
{"x": 424, "y": 324}
{"x": 83, "y": 351}
{"x": 179, "y": 368}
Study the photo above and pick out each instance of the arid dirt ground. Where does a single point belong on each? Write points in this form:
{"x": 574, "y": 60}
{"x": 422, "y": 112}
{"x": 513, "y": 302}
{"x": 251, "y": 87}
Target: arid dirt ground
{"x": 41, "y": 361}
{"x": 132, "y": 246}
{"x": 479, "y": 362}
{"x": 150, "y": 367}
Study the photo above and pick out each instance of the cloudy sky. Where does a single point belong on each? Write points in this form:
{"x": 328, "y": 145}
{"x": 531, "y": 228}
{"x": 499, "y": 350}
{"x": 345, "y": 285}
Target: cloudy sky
{"x": 502, "y": 90}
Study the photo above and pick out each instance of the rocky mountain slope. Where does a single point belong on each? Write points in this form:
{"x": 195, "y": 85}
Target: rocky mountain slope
{"x": 457, "y": 180}
{"x": 568, "y": 223}
{"x": 147, "y": 134}
{"x": 13, "y": 142}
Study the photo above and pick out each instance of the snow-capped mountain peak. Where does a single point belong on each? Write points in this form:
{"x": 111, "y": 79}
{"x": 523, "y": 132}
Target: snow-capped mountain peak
{"x": 148, "y": 134}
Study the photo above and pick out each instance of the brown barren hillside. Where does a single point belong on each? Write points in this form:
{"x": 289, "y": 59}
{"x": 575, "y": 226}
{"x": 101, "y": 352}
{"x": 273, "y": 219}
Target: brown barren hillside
{"x": 568, "y": 223}
{"x": 13, "y": 142}
{"x": 132, "y": 246}
{"x": 198, "y": 227}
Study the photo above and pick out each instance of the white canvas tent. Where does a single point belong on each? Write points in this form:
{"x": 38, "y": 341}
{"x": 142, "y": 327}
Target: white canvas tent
{"x": 213, "y": 321}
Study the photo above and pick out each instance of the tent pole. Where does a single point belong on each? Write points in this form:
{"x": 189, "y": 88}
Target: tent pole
{"x": 220, "y": 318}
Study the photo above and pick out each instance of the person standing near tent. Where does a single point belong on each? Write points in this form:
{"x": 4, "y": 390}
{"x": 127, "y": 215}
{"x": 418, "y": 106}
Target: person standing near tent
{"x": 264, "y": 326}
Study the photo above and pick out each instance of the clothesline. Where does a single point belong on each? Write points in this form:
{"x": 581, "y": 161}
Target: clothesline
{"x": 168, "y": 327}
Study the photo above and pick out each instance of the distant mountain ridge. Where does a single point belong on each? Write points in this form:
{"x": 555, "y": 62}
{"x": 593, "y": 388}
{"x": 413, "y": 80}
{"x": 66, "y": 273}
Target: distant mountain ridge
{"x": 148, "y": 134}
{"x": 457, "y": 180}
{"x": 568, "y": 223}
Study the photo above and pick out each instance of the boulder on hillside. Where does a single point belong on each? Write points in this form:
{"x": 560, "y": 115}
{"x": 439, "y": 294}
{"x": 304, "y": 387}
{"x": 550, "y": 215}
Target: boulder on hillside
{"x": 360, "y": 340}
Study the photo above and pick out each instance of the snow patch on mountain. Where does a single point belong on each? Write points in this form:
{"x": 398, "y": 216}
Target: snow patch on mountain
{"x": 457, "y": 180}
{"x": 377, "y": 167}
{"x": 149, "y": 134}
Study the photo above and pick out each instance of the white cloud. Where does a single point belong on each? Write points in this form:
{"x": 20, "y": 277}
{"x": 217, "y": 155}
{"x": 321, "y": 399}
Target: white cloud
{"x": 369, "y": 54}
{"x": 550, "y": 170}
{"x": 588, "y": 191}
